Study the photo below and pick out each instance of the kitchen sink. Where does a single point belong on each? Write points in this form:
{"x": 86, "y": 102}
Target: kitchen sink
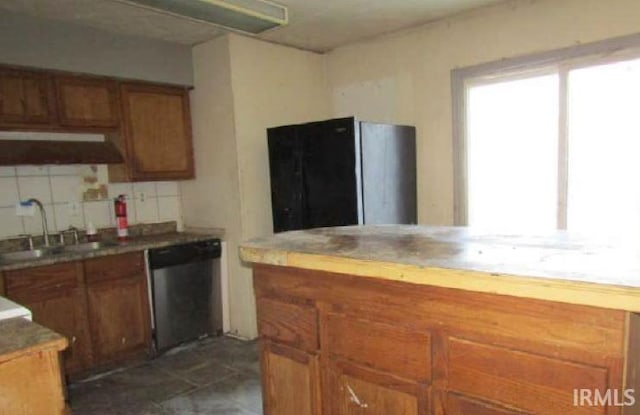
{"x": 54, "y": 250}
{"x": 31, "y": 254}
{"x": 89, "y": 246}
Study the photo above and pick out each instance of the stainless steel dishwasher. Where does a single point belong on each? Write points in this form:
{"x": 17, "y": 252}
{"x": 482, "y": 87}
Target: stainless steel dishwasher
{"x": 185, "y": 292}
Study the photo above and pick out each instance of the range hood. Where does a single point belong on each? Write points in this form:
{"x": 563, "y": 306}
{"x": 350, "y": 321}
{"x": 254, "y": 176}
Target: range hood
{"x": 56, "y": 148}
{"x": 248, "y": 16}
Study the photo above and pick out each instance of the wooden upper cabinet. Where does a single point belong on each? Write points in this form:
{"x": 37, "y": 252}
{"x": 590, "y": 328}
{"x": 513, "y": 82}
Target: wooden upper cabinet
{"x": 87, "y": 102}
{"x": 26, "y": 98}
{"x": 157, "y": 132}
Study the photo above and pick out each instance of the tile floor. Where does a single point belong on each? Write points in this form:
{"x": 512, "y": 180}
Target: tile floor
{"x": 211, "y": 376}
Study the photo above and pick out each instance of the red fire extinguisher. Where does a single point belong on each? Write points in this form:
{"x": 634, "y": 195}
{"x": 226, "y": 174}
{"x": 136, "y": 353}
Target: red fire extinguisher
{"x": 120, "y": 205}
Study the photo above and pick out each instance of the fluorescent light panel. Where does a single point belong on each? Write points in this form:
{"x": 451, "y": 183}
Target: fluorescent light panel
{"x": 251, "y": 16}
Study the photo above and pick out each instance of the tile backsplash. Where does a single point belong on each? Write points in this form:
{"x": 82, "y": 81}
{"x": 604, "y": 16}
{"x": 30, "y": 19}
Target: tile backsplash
{"x": 75, "y": 195}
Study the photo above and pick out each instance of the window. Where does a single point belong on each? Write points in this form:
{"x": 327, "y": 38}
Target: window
{"x": 550, "y": 143}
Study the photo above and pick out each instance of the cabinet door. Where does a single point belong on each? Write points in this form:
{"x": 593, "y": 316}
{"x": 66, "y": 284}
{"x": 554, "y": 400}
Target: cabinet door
{"x": 118, "y": 307}
{"x": 55, "y": 296}
{"x": 157, "y": 132}
{"x": 25, "y": 98}
{"x": 290, "y": 381}
{"x": 331, "y": 174}
{"x": 87, "y": 102}
{"x": 354, "y": 390}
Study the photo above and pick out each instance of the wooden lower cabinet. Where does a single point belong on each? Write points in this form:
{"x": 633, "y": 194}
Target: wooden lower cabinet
{"x": 55, "y": 296}
{"x": 391, "y": 348}
{"x": 461, "y": 405}
{"x": 100, "y": 305}
{"x": 118, "y": 307}
{"x": 290, "y": 369}
{"x": 355, "y": 390}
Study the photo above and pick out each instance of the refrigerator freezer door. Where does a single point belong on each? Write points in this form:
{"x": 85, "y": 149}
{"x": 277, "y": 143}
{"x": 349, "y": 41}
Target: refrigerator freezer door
{"x": 285, "y": 167}
{"x": 330, "y": 173}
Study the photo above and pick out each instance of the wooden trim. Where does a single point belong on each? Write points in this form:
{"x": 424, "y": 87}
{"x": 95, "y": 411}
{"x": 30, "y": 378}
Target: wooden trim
{"x": 459, "y": 126}
{"x": 563, "y": 150}
{"x": 14, "y": 152}
{"x": 632, "y": 358}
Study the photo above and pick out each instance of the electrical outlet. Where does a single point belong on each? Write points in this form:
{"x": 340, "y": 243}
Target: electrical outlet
{"x": 142, "y": 196}
{"x": 74, "y": 209}
{"x": 25, "y": 209}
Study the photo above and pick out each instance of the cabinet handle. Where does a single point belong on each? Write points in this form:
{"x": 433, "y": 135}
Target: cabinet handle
{"x": 73, "y": 340}
{"x": 124, "y": 340}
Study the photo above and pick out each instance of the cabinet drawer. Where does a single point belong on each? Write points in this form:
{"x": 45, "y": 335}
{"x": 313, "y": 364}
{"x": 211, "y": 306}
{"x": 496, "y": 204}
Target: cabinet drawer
{"x": 532, "y": 383}
{"x": 114, "y": 267}
{"x": 392, "y": 349}
{"x": 41, "y": 282}
{"x": 291, "y": 324}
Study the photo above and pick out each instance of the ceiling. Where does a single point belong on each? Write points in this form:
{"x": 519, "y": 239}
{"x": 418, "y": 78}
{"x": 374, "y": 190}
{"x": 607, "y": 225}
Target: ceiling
{"x": 318, "y": 25}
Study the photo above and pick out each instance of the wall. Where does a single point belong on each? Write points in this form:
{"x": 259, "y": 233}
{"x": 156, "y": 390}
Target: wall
{"x": 213, "y": 198}
{"x": 29, "y": 41}
{"x": 269, "y": 85}
{"x": 405, "y": 78}
{"x": 61, "y": 189}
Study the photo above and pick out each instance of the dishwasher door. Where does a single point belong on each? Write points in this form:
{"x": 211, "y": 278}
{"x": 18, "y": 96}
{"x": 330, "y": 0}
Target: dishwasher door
{"x": 186, "y": 299}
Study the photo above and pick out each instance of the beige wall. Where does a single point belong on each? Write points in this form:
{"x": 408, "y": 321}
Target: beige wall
{"x": 242, "y": 87}
{"x": 213, "y": 198}
{"x": 405, "y": 78}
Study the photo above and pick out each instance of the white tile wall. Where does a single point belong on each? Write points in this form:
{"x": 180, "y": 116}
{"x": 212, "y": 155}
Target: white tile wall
{"x": 59, "y": 188}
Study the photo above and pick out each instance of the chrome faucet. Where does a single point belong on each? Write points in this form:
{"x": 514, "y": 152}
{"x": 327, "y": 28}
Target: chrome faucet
{"x": 43, "y": 214}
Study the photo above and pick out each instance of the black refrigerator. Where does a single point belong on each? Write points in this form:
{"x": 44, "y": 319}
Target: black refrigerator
{"x": 342, "y": 172}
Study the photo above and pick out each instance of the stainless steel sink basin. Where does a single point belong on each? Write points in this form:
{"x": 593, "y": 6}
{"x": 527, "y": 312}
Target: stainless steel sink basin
{"x": 88, "y": 247}
{"x": 32, "y": 254}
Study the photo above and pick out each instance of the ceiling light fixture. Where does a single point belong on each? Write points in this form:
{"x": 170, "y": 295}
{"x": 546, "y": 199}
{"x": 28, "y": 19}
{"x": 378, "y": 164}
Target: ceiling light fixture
{"x": 249, "y": 16}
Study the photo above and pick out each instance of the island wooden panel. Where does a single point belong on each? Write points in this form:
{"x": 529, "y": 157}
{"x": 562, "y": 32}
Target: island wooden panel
{"x": 389, "y": 347}
{"x": 285, "y": 370}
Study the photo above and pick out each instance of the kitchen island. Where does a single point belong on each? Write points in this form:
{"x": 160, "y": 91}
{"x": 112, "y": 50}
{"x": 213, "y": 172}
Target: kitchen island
{"x": 408, "y": 320}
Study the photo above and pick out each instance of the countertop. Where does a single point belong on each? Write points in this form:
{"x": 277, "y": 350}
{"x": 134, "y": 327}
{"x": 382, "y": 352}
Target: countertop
{"x": 19, "y": 336}
{"x": 138, "y": 243}
{"x": 555, "y": 266}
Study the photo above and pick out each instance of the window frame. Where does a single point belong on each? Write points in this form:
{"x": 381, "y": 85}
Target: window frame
{"x": 559, "y": 61}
